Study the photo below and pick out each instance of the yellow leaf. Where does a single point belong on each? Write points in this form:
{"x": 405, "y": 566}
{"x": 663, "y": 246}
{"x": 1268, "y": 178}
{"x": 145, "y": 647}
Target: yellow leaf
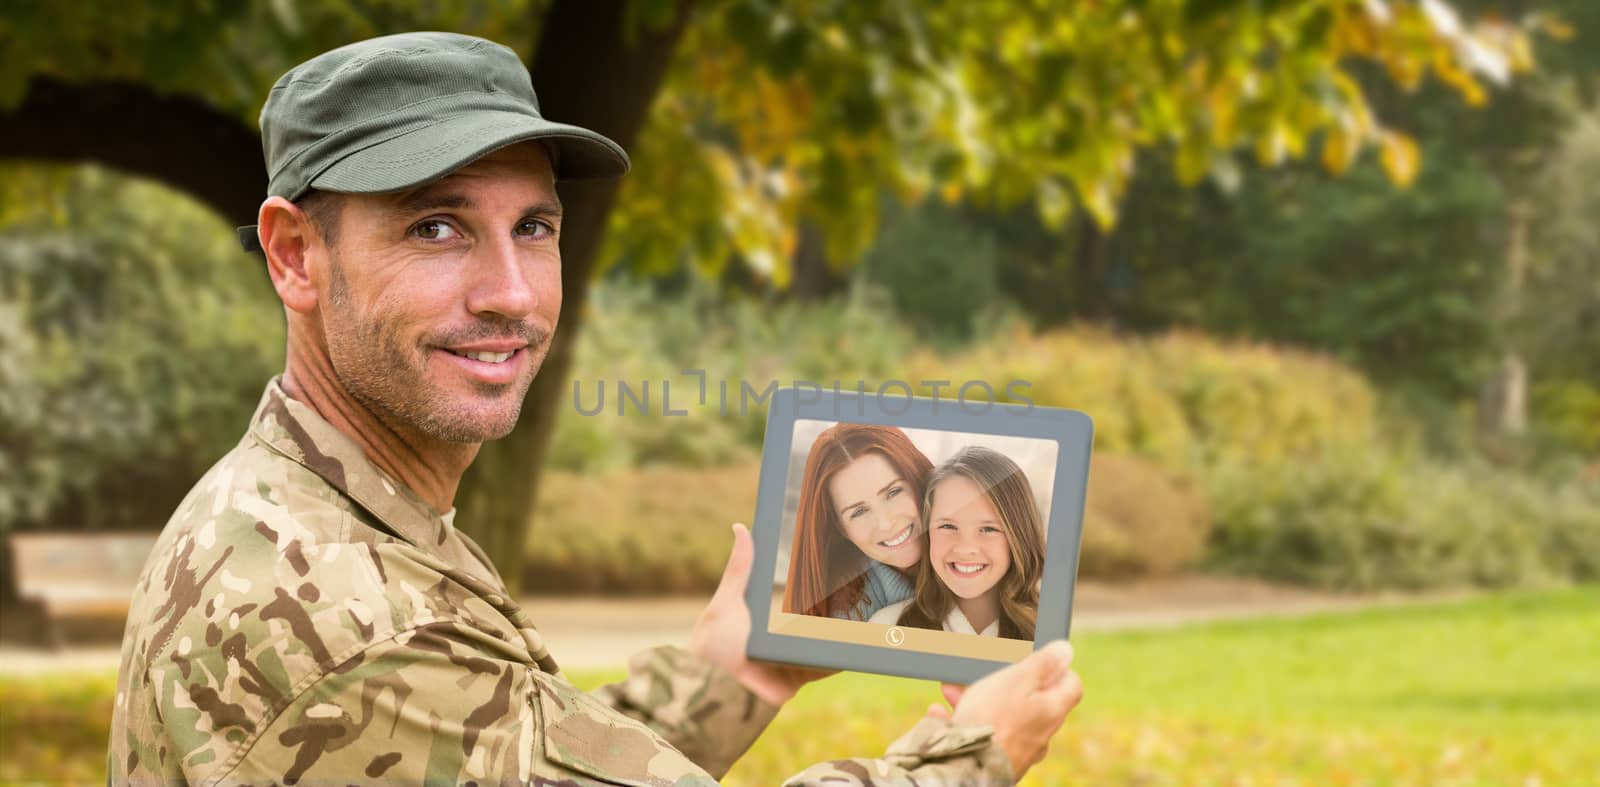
{"x": 1054, "y": 203}
{"x": 1401, "y": 158}
{"x": 1224, "y": 116}
{"x": 1556, "y": 27}
{"x": 1339, "y": 150}
{"x": 1451, "y": 73}
{"x": 1191, "y": 162}
{"x": 1379, "y": 12}
{"x": 1521, "y": 53}
{"x": 1273, "y": 146}
{"x": 1102, "y": 206}
{"x": 1405, "y": 70}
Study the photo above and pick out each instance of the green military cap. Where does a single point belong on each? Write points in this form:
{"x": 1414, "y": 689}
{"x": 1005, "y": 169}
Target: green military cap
{"x": 396, "y": 112}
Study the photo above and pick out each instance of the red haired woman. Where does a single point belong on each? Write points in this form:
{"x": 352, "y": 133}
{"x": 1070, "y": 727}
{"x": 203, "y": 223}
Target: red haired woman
{"x": 857, "y": 545}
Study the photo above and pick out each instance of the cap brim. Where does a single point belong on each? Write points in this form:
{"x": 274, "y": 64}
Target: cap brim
{"x": 429, "y": 153}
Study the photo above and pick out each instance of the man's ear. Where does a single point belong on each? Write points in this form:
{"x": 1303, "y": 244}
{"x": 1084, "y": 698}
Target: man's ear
{"x": 287, "y": 238}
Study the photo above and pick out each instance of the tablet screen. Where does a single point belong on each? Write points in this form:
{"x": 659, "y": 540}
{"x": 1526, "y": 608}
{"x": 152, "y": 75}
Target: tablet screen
{"x": 918, "y": 539}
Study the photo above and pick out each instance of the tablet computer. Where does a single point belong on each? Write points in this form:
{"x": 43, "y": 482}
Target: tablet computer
{"x": 920, "y": 537}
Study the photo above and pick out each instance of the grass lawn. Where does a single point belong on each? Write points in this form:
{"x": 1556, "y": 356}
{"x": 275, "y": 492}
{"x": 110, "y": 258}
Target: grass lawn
{"x": 1501, "y": 690}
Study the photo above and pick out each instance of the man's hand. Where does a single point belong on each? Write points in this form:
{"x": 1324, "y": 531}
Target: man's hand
{"x": 721, "y": 633}
{"x": 1025, "y": 703}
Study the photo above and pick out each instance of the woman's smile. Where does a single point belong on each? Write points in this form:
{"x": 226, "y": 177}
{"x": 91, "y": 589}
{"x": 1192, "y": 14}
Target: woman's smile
{"x": 899, "y": 538}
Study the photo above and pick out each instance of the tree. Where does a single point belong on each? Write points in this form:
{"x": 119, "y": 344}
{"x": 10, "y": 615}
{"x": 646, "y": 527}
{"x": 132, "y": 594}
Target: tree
{"x": 749, "y": 118}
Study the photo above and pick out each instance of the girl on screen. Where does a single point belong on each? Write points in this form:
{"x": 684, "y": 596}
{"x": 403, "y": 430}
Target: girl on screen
{"x": 857, "y": 542}
{"x": 985, "y": 551}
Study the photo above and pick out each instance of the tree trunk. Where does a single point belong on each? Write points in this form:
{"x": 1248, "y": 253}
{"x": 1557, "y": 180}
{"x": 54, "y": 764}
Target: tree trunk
{"x": 1503, "y": 406}
{"x": 592, "y": 70}
{"x": 1093, "y": 296}
{"x": 809, "y": 264}
{"x": 179, "y": 140}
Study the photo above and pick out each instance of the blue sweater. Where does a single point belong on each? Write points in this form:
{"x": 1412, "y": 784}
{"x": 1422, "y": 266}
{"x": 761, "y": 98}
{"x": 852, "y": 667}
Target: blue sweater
{"x": 885, "y": 586}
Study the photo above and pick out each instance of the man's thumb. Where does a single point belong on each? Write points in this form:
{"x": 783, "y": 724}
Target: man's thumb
{"x": 736, "y": 575}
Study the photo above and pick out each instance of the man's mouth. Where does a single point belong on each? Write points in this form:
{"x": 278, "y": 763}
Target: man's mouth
{"x": 966, "y": 569}
{"x": 485, "y": 357}
{"x": 898, "y": 539}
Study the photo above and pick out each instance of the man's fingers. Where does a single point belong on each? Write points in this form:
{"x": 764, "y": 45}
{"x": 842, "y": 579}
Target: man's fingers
{"x": 1052, "y": 662}
{"x": 938, "y": 711}
{"x": 952, "y": 693}
{"x": 1072, "y": 688}
{"x": 736, "y": 575}
{"x": 1058, "y": 701}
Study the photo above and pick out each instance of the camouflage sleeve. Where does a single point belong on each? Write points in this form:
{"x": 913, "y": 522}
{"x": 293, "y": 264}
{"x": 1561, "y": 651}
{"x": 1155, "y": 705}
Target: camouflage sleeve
{"x": 933, "y": 752}
{"x": 446, "y": 703}
{"x": 701, "y": 709}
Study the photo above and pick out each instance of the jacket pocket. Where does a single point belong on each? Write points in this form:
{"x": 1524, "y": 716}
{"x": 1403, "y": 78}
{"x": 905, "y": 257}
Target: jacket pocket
{"x": 583, "y": 735}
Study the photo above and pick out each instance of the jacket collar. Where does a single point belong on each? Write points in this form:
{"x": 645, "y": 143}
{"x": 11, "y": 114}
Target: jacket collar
{"x": 294, "y": 430}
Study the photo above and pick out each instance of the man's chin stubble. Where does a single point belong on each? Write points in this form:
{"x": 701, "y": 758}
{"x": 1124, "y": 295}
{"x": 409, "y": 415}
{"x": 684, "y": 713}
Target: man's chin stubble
{"x": 431, "y": 413}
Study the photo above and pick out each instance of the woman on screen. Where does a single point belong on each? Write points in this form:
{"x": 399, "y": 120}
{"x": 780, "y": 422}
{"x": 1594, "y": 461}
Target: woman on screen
{"x": 985, "y": 551}
{"x": 856, "y": 544}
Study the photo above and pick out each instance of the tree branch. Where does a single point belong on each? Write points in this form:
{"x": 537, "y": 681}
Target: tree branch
{"x": 179, "y": 140}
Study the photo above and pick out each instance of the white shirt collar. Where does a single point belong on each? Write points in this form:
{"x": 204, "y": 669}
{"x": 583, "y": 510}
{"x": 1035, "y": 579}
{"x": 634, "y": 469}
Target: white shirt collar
{"x": 956, "y": 622}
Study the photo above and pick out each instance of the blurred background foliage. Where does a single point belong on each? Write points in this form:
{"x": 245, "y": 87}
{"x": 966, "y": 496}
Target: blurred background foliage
{"x": 134, "y": 336}
{"x": 1326, "y": 274}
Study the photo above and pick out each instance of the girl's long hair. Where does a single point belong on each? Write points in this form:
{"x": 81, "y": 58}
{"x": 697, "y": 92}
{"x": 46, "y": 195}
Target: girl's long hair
{"x": 825, "y": 570}
{"x": 1011, "y": 495}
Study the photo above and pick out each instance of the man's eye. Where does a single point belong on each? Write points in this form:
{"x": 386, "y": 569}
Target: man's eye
{"x": 434, "y": 229}
{"x": 534, "y": 228}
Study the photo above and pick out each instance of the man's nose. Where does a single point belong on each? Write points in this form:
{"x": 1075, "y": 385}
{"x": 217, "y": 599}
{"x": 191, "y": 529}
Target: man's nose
{"x": 503, "y": 281}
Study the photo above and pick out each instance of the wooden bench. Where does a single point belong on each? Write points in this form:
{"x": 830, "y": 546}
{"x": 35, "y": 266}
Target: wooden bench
{"x": 78, "y": 575}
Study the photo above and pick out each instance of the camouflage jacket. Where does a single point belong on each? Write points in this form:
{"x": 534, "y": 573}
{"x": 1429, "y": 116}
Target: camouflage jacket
{"x": 306, "y": 619}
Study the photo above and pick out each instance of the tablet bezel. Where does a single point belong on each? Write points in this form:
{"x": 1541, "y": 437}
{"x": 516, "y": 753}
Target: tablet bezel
{"x": 1073, "y": 432}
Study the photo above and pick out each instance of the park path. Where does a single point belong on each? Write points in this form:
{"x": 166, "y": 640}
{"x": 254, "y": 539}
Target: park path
{"x": 589, "y": 633}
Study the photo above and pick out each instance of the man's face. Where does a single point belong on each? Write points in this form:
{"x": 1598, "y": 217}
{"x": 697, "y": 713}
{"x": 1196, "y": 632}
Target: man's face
{"x": 441, "y": 301}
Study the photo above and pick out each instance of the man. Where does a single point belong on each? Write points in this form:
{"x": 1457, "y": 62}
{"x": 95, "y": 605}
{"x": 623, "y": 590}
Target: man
{"x": 311, "y": 615}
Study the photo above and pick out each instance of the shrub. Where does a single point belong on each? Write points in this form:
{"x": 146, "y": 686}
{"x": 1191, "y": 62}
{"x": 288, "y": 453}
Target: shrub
{"x": 1567, "y": 414}
{"x": 649, "y": 530}
{"x": 1366, "y": 520}
{"x": 135, "y": 337}
{"x": 1182, "y": 399}
{"x": 1138, "y": 520}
